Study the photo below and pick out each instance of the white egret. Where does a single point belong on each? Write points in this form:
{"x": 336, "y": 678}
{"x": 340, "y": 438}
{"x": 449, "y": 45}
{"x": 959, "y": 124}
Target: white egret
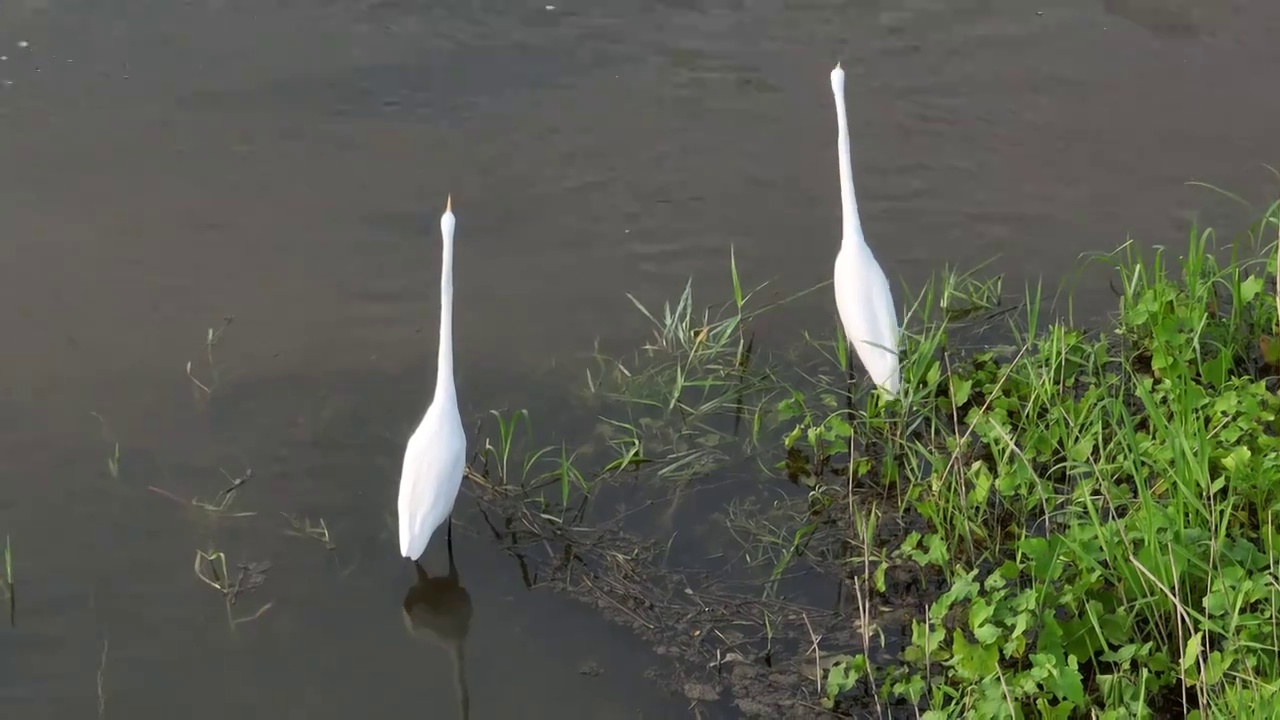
{"x": 439, "y": 609}
{"x": 436, "y": 453}
{"x": 863, "y": 296}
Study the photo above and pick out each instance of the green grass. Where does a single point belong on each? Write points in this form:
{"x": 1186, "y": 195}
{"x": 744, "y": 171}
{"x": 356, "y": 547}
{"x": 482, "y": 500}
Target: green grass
{"x": 7, "y": 583}
{"x": 212, "y": 337}
{"x": 113, "y": 459}
{"x": 1094, "y": 511}
{"x": 305, "y": 529}
{"x": 1099, "y": 507}
{"x": 211, "y": 568}
{"x": 8, "y": 566}
{"x": 1077, "y": 521}
{"x": 220, "y": 506}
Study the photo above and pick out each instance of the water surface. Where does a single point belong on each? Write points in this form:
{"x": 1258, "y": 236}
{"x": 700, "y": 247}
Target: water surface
{"x": 166, "y": 165}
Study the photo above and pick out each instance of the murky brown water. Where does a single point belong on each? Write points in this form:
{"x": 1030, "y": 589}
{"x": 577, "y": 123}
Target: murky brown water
{"x": 166, "y": 164}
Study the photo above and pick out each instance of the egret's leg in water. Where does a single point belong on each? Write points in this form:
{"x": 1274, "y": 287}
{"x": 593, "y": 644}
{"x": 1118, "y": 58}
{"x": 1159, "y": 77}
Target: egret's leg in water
{"x": 449, "y": 537}
{"x": 849, "y": 397}
{"x": 453, "y": 567}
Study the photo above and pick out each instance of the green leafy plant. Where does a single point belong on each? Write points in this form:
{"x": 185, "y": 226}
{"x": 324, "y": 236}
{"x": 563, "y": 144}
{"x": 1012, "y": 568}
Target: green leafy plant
{"x": 1063, "y": 521}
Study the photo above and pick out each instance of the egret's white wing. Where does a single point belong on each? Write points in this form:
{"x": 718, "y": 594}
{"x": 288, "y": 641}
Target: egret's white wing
{"x": 433, "y": 465}
{"x": 882, "y": 335}
{"x": 870, "y": 319}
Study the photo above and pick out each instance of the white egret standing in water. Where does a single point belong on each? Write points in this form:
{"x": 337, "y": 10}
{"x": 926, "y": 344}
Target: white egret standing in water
{"x": 436, "y": 453}
{"x": 863, "y": 296}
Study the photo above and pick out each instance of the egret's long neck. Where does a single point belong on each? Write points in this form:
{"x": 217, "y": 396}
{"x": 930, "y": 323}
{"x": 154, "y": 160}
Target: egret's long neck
{"x": 851, "y": 225}
{"x": 444, "y": 364}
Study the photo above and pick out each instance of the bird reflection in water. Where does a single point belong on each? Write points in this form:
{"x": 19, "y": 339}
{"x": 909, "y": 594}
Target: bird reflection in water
{"x": 439, "y": 609}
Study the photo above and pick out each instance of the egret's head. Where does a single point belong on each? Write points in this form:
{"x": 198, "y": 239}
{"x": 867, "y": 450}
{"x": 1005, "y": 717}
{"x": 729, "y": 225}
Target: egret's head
{"x": 837, "y": 80}
{"x": 447, "y": 221}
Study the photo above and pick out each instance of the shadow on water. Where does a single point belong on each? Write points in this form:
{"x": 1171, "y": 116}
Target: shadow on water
{"x": 439, "y": 610}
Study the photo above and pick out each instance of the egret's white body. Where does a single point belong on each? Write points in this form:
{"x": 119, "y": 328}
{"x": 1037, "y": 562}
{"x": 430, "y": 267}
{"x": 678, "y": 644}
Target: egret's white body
{"x": 436, "y": 453}
{"x": 863, "y": 297}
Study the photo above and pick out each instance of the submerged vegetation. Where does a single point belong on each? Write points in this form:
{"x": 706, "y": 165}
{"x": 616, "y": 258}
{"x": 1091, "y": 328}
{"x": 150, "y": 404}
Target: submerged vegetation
{"x": 211, "y": 568}
{"x": 1051, "y": 520}
{"x": 6, "y": 583}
